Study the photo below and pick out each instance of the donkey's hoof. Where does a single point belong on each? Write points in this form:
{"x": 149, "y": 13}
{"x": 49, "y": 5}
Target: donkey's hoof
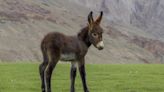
{"x": 43, "y": 90}
{"x": 86, "y": 91}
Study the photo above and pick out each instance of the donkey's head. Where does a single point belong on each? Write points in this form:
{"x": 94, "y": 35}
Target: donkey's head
{"x": 95, "y": 31}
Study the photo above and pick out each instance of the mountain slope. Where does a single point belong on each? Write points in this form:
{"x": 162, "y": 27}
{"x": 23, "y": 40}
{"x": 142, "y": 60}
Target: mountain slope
{"x": 24, "y": 23}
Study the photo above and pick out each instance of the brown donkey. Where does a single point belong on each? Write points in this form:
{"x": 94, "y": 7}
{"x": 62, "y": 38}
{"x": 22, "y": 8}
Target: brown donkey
{"x": 57, "y": 46}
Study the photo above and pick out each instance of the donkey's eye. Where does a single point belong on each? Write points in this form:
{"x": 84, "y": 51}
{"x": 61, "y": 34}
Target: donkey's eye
{"x": 94, "y": 35}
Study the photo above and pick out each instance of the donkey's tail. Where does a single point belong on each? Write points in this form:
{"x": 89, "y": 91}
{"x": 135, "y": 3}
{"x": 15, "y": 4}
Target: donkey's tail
{"x": 44, "y": 53}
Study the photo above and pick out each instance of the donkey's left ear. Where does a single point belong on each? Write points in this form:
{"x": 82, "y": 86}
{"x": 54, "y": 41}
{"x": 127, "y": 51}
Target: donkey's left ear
{"x": 98, "y": 20}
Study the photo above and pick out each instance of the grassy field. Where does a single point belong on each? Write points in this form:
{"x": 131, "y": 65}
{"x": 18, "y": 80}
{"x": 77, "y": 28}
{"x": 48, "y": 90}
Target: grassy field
{"x": 24, "y": 77}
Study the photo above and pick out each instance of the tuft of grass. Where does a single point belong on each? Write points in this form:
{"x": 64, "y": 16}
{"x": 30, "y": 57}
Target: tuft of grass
{"x": 24, "y": 77}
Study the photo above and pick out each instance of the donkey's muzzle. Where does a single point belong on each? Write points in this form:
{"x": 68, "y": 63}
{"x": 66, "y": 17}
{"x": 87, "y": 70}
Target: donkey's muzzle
{"x": 100, "y": 45}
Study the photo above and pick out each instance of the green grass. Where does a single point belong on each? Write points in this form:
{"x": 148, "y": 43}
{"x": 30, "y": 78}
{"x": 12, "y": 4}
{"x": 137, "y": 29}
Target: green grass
{"x": 24, "y": 77}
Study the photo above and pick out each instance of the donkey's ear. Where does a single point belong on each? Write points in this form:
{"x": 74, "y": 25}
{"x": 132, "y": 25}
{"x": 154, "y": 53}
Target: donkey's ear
{"x": 98, "y": 20}
{"x": 90, "y": 18}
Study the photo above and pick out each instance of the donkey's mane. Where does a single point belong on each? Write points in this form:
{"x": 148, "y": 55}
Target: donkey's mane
{"x": 83, "y": 35}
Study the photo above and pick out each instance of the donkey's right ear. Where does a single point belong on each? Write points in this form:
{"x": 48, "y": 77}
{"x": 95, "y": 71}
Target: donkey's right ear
{"x": 90, "y": 18}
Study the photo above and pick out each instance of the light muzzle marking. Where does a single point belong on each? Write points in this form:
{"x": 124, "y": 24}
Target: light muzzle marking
{"x": 100, "y": 44}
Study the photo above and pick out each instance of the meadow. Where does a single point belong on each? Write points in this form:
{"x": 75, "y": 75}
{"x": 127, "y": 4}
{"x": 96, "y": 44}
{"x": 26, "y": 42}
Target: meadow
{"x": 24, "y": 77}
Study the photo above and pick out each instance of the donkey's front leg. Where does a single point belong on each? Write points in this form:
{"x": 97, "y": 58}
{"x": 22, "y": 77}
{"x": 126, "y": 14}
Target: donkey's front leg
{"x": 73, "y": 76}
{"x": 83, "y": 74}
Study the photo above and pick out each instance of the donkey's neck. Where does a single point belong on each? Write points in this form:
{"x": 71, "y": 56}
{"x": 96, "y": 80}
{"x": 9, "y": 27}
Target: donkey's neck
{"x": 83, "y": 35}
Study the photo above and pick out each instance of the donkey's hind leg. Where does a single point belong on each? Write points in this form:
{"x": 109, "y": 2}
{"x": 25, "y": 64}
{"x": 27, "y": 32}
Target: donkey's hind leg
{"x": 42, "y": 68}
{"x": 53, "y": 59}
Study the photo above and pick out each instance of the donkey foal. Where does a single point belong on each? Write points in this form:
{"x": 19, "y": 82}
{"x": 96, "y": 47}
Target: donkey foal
{"x": 57, "y": 46}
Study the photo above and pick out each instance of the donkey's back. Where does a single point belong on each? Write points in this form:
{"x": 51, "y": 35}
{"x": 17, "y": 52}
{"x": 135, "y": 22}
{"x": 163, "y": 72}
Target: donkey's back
{"x": 53, "y": 39}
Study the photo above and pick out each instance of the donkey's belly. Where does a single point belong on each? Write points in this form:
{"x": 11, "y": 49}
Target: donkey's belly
{"x": 68, "y": 57}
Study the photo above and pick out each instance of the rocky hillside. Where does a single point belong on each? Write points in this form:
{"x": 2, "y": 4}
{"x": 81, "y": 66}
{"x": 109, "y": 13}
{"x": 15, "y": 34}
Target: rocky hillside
{"x": 146, "y": 15}
{"x": 133, "y": 29}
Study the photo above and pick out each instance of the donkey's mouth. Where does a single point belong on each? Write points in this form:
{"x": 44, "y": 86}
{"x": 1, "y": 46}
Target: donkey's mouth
{"x": 100, "y": 48}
